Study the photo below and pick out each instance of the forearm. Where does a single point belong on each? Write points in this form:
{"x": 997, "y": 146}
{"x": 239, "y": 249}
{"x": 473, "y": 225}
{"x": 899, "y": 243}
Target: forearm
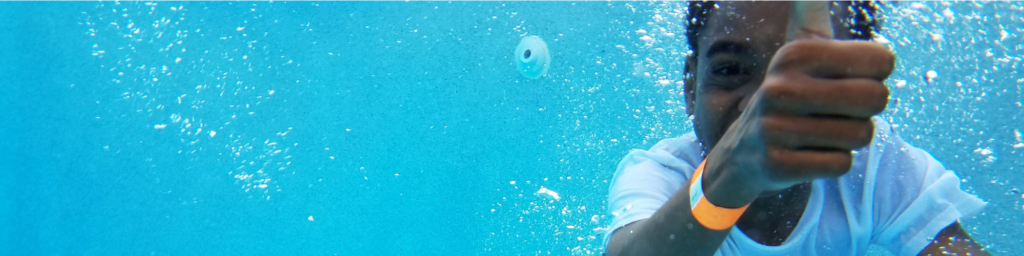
{"x": 672, "y": 230}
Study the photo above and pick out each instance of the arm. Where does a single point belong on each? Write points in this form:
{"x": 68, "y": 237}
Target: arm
{"x": 953, "y": 240}
{"x": 672, "y": 230}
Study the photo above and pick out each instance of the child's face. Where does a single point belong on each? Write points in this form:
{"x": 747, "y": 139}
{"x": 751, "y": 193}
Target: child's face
{"x": 734, "y": 48}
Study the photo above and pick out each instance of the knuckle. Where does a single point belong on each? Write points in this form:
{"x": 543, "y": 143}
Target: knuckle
{"x": 777, "y": 89}
{"x": 793, "y": 52}
{"x": 778, "y": 165}
{"x": 770, "y": 124}
{"x": 774, "y": 131}
{"x": 773, "y": 158}
{"x": 799, "y": 48}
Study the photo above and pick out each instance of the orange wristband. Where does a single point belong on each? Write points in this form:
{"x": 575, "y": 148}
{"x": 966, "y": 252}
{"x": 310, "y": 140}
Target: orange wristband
{"x": 707, "y": 214}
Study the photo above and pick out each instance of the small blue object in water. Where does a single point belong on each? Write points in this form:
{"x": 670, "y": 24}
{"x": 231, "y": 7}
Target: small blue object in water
{"x": 532, "y": 57}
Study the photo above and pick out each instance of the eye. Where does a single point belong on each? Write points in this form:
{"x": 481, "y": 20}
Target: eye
{"x": 728, "y": 70}
{"x": 728, "y": 74}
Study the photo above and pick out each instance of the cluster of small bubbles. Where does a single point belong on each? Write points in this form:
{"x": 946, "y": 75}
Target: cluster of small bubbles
{"x": 661, "y": 51}
{"x": 566, "y": 218}
{"x": 627, "y": 95}
{"x": 919, "y": 31}
{"x": 956, "y": 93}
{"x": 645, "y": 75}
{"x": 270, "y": 156}
{"x": 179, "y": 75}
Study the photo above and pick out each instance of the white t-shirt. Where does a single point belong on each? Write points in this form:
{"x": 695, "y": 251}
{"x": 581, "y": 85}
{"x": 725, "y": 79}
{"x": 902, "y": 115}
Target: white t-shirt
{"x": 895, "y": 195}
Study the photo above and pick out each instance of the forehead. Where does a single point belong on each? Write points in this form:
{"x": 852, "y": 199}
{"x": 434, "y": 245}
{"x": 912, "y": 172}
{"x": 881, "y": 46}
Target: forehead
{"x": 760, "y": 25}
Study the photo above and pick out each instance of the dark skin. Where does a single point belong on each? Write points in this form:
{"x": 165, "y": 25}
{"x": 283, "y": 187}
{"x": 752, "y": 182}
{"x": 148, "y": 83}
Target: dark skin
{"x": 772, "y": 116}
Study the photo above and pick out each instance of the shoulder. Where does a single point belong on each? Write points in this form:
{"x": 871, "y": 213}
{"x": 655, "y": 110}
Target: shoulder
{"x": 680, "y": 154}
{"x": 672, "y": 160}
{"x": 645, "y": 179}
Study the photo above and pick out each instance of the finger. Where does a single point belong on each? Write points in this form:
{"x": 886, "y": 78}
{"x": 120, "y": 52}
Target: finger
{"x": 811, "y": 133}
{"x": 834, "y": 59}
{"x": 802, "y": 96}
{"x": 791, "y": 166}
{"x": 810, "y": 20}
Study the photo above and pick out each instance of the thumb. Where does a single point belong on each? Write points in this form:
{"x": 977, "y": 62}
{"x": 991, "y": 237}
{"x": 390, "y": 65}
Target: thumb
{"x": 809, "y": 20}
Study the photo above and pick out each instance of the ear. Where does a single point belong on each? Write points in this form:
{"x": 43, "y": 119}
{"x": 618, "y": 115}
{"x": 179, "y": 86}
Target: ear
{"x": 690, "y": 82}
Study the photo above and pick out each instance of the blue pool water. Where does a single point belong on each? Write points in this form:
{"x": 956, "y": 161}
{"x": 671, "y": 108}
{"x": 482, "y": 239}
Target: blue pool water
{"x": 388, "y": 128}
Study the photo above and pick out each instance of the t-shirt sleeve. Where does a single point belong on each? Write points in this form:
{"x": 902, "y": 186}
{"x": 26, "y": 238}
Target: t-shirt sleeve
{"x": 915, "y": 197}
{"x": 641, "y": 185}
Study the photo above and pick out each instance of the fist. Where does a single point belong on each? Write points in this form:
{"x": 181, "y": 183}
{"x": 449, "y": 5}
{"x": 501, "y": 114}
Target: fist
{"x": 813, "y": 108}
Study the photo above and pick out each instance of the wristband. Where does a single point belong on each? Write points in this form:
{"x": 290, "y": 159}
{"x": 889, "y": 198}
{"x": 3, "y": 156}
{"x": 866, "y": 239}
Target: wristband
{"x": 707, "y": 214}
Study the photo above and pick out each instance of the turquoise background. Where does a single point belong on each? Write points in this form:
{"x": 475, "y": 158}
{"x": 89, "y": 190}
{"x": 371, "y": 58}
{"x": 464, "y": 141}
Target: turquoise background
{"x": 405, "y": 128}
